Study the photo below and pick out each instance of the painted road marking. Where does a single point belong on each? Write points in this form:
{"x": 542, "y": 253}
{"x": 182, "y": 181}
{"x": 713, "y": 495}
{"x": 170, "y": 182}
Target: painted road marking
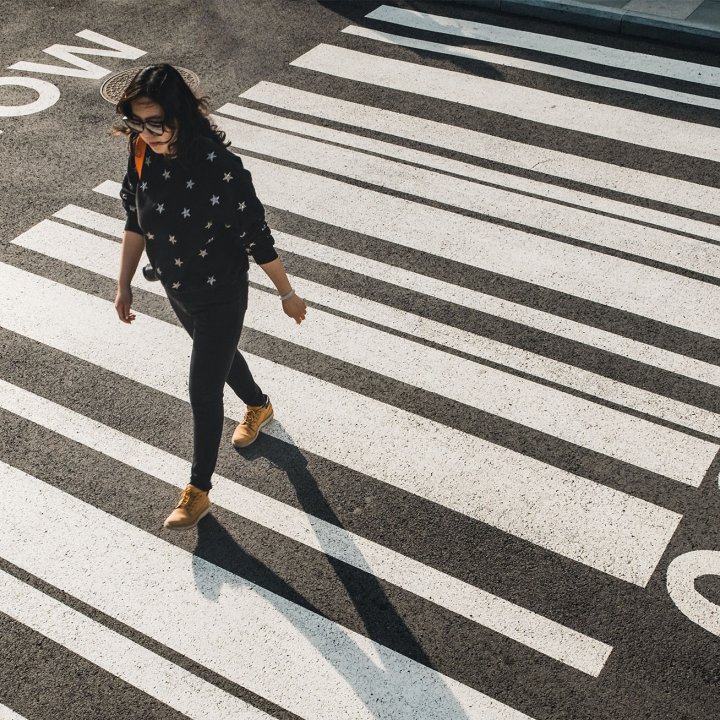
{"x": 679, "y": 413}
{"x": 531, "y": 317}
{"x": 644, "y": 401}
{"x": 275, "y": 648}
{"x": 513, "y": 183}
{"x": 575, "y": 517}
{"x": 7, "y": 714}
{"x": 136, "y": 665}
{"x": 629, "y": 181}
{"x": 47, "y": 93}
{"x": 534, "y": 213}
{"x": 522, "y": 625}
{"x": 647, "y": 291}
{"x": 536, "y": 67}
{"x": 584, "y": 423}
{"x": 615, "y": 123}
{"x": 588, "y": 52}
{"x": 682, "y": 573}
{"x": 83, "y": 68}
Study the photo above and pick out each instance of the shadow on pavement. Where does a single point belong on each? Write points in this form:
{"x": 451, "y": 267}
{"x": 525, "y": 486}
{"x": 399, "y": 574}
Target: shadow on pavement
{"x": 378, "y": 676}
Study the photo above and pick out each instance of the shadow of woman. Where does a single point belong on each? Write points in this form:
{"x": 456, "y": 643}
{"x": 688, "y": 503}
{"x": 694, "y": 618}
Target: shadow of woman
{"x": 385, "y": 684}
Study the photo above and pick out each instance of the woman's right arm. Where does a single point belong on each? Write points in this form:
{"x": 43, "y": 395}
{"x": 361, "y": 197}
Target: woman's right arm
{"x": 133, "y": 245}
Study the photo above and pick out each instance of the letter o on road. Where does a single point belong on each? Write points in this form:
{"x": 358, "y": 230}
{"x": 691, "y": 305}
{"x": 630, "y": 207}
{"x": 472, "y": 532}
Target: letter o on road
{"x": 48, "y": 95}
{"x": 681, "y": 576}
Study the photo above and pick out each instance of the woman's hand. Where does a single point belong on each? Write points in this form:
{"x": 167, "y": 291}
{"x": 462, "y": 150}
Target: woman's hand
{"x": 123, "y": 302}
{"x": 295, "y": 308}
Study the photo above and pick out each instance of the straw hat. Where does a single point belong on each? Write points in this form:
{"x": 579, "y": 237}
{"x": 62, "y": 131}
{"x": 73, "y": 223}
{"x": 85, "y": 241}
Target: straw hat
{"x": 114, "y": 87}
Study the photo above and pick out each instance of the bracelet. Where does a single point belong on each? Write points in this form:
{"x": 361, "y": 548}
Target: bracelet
{"x": 287, "y": 295}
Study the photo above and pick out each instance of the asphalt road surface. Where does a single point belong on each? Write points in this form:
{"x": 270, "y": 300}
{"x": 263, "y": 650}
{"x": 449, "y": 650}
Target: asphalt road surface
{"x": 491, "y": 488}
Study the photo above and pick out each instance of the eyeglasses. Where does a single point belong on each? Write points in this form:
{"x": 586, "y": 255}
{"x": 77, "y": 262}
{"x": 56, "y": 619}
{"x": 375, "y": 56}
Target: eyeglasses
{"x": 154, "y": 127}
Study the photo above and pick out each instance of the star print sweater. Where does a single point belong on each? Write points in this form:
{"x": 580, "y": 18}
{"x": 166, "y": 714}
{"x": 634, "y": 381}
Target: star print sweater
{"x": 200, "y": 217}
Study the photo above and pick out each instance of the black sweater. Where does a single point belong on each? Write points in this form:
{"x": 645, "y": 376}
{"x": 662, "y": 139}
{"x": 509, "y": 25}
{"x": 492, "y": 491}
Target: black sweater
{"x": 200, "y": 217}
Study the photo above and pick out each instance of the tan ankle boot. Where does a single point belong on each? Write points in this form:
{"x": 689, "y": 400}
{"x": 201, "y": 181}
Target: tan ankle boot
{"x": 193, "y": 506}
{"x": 255, "y": 418}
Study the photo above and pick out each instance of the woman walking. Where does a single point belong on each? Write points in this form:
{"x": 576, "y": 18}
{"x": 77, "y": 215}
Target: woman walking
{"x": 192, "y": 206}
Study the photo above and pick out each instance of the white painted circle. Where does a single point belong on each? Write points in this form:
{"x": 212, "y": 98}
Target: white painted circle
{"x": 48, "y": 95}
{"x": 681, "y": 575}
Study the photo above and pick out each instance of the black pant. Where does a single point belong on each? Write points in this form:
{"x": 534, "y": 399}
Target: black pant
{"x": 215, "y": 329}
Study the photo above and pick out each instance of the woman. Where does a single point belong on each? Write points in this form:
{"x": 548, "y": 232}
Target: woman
{"x": 192, "y": 206}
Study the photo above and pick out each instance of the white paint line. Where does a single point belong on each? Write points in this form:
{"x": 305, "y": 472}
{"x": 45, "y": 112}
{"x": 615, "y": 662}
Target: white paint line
{"x": 660, "y": 245}
{"x": 524, "y": 626}
{"x": 591, "y": 523}
{"x": 507, "y": 152}
{"x": 652, "y": 293}
{"x": 546, "y": 322}
{"x": 513, "y": 183}
{"x": 569, "y": 376}
{"x": 136, "y": 665}
{"x": 7, "y": 714}
{"x": 598, "y": 277}
{"x": 109, "y": 188}
{"x": 615, "y": 123}
{"x": 83, "y": 68}
{"x": 674, "y": 411}
{"x": 682, "y": 573}
{"x": 536, "y": 67}
{"x": 293, "y": 657}
{"x": 91, "y": 219}
{"x": 576, "y": 420}
{"x": 588, "y": 52}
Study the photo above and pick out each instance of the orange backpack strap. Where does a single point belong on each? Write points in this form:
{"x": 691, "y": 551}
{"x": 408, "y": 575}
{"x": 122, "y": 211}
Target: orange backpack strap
{"x": 139, "y": 154}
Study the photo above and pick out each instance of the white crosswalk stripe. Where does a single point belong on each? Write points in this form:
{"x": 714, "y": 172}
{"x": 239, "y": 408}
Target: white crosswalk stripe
{"x": 504, "y": 617}
{"x": 176, "y": 687}
{"x": 531, "y": 66}
{"x": 573, "y": 419}
{"x": 554, "y": 324}
{"x": 564, "y": 47}
{"x": 312, "y": 659}
{"x": 576, "y": 517}
{"x": 665, "y": 247}
{"x": 7, "y": 714}
{"x": 647, "y": 291}
{"x": 538, "y": 106}
{"x": 366, "y": 176}
{"x": 486, "y": 176}
{"x": 80, "y": 251}
{"x": 514, "y": 154}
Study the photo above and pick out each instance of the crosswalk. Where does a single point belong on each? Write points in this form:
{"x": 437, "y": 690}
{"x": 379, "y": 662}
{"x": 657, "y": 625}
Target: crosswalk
{"x": 488, "y": 431}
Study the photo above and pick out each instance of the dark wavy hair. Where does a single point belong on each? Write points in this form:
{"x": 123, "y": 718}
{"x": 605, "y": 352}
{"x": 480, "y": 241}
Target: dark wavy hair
{"x": 183, "y": 111}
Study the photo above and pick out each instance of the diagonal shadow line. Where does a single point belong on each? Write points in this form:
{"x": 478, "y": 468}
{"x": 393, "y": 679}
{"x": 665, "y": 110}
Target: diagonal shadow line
{"x": 369, "y": 678}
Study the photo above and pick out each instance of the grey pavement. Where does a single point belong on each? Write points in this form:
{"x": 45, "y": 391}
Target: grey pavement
{"x": 506, "y": 395}
{"x": 694, "y": 23}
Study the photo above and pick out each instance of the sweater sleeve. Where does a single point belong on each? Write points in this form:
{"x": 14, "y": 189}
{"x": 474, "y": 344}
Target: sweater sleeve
{"x": 127, "y": 195}
{"x": 247, "y": 212}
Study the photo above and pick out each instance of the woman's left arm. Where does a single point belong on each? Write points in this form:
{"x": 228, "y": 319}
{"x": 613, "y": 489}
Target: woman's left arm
{"x": 293, "y": 305}
{"x": 236, "y": 192}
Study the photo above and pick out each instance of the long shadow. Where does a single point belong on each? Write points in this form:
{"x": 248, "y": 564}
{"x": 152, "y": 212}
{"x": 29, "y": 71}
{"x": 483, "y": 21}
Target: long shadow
{"x": 355, "y": 13}
{"x": 378, "y": 675}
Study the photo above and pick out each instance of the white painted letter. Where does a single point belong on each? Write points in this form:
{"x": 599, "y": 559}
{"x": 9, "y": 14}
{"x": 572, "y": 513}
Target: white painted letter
{"x": 48, "y": 95}
{"x": 681, "y": 576}
{"x": 83, "y": 68}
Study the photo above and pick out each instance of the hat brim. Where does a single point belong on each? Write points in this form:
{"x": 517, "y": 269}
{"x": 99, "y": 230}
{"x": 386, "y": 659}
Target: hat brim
{"x": 114, "y": 87}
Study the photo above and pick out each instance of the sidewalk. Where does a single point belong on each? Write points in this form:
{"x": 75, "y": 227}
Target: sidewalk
{"x": 695, "y": 23}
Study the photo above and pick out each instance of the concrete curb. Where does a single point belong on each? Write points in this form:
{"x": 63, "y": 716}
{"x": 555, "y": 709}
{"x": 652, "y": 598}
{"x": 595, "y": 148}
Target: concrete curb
{"x": 609, "y": 20}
